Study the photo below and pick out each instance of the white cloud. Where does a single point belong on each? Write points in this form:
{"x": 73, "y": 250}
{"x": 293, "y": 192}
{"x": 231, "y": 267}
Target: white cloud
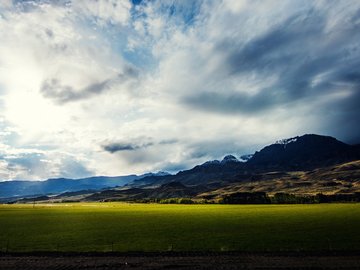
{"x": 105, "y": 11}
{"x": 75, "y": 76}
{"x": 4, "y": 4}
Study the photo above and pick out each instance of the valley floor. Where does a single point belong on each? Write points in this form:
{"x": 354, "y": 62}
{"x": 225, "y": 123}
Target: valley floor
{"x": 124, "y": 227}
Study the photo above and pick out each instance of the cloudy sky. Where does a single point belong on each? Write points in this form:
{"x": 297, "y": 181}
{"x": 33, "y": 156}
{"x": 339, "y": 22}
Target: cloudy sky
{"x": 112, "y": 87}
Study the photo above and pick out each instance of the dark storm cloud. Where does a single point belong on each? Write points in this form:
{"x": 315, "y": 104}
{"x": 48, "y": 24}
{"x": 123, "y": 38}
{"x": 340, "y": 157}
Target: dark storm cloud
{"x": 114, "y": 147}
{"x": 234, "y": 102}
{"x": 310, "y": 62}
{"x": 61, "y": 94}
{"x": 341, "y": 119}
{"x": 119, "y": 146}
{"x": 275, "y": 48}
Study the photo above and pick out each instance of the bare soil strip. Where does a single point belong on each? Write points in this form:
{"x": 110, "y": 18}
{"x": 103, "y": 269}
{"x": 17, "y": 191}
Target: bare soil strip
{"x": 179, "y": 261}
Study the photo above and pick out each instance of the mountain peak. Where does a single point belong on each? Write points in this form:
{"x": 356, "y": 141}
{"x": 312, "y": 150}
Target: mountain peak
{"x": 229, "y": 158}
{"x": 211, "y": 162}
{"x": 301, "y": 152}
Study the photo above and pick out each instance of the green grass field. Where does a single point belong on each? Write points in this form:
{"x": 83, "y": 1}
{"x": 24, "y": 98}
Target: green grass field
{"x": 153, "y": 227}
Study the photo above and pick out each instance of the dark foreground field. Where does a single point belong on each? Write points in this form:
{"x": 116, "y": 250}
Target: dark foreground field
{"x": 181, "y": 261}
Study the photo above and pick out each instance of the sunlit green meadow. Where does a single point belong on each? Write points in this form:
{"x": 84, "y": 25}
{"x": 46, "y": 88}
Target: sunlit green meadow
{"x": 156, "y": 227}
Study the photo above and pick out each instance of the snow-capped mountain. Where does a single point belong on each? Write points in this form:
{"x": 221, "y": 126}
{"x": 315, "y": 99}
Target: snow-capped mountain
{"x": 303, "y": 153}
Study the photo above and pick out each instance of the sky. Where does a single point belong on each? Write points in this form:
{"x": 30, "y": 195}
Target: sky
{"x": 105, "y": 87}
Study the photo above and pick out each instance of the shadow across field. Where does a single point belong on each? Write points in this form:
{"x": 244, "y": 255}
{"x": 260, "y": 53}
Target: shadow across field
{"x": 181, "y": 260}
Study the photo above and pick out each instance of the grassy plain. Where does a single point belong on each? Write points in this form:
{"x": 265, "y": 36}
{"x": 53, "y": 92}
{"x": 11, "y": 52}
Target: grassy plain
{"x": 155, "y": 227}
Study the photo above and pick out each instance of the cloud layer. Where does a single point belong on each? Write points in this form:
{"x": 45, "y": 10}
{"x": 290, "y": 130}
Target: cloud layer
{"x": 115, "y": 87}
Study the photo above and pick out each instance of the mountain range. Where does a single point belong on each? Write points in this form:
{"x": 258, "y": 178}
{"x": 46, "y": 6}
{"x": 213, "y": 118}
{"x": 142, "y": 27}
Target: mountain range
{"x": 303, "y": 164}
{"x": 302, "y": 153}
{"x": 25, "y": 188}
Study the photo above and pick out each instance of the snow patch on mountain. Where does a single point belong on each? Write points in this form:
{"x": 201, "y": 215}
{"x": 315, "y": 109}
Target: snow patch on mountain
{"x": 287, "y": 141}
